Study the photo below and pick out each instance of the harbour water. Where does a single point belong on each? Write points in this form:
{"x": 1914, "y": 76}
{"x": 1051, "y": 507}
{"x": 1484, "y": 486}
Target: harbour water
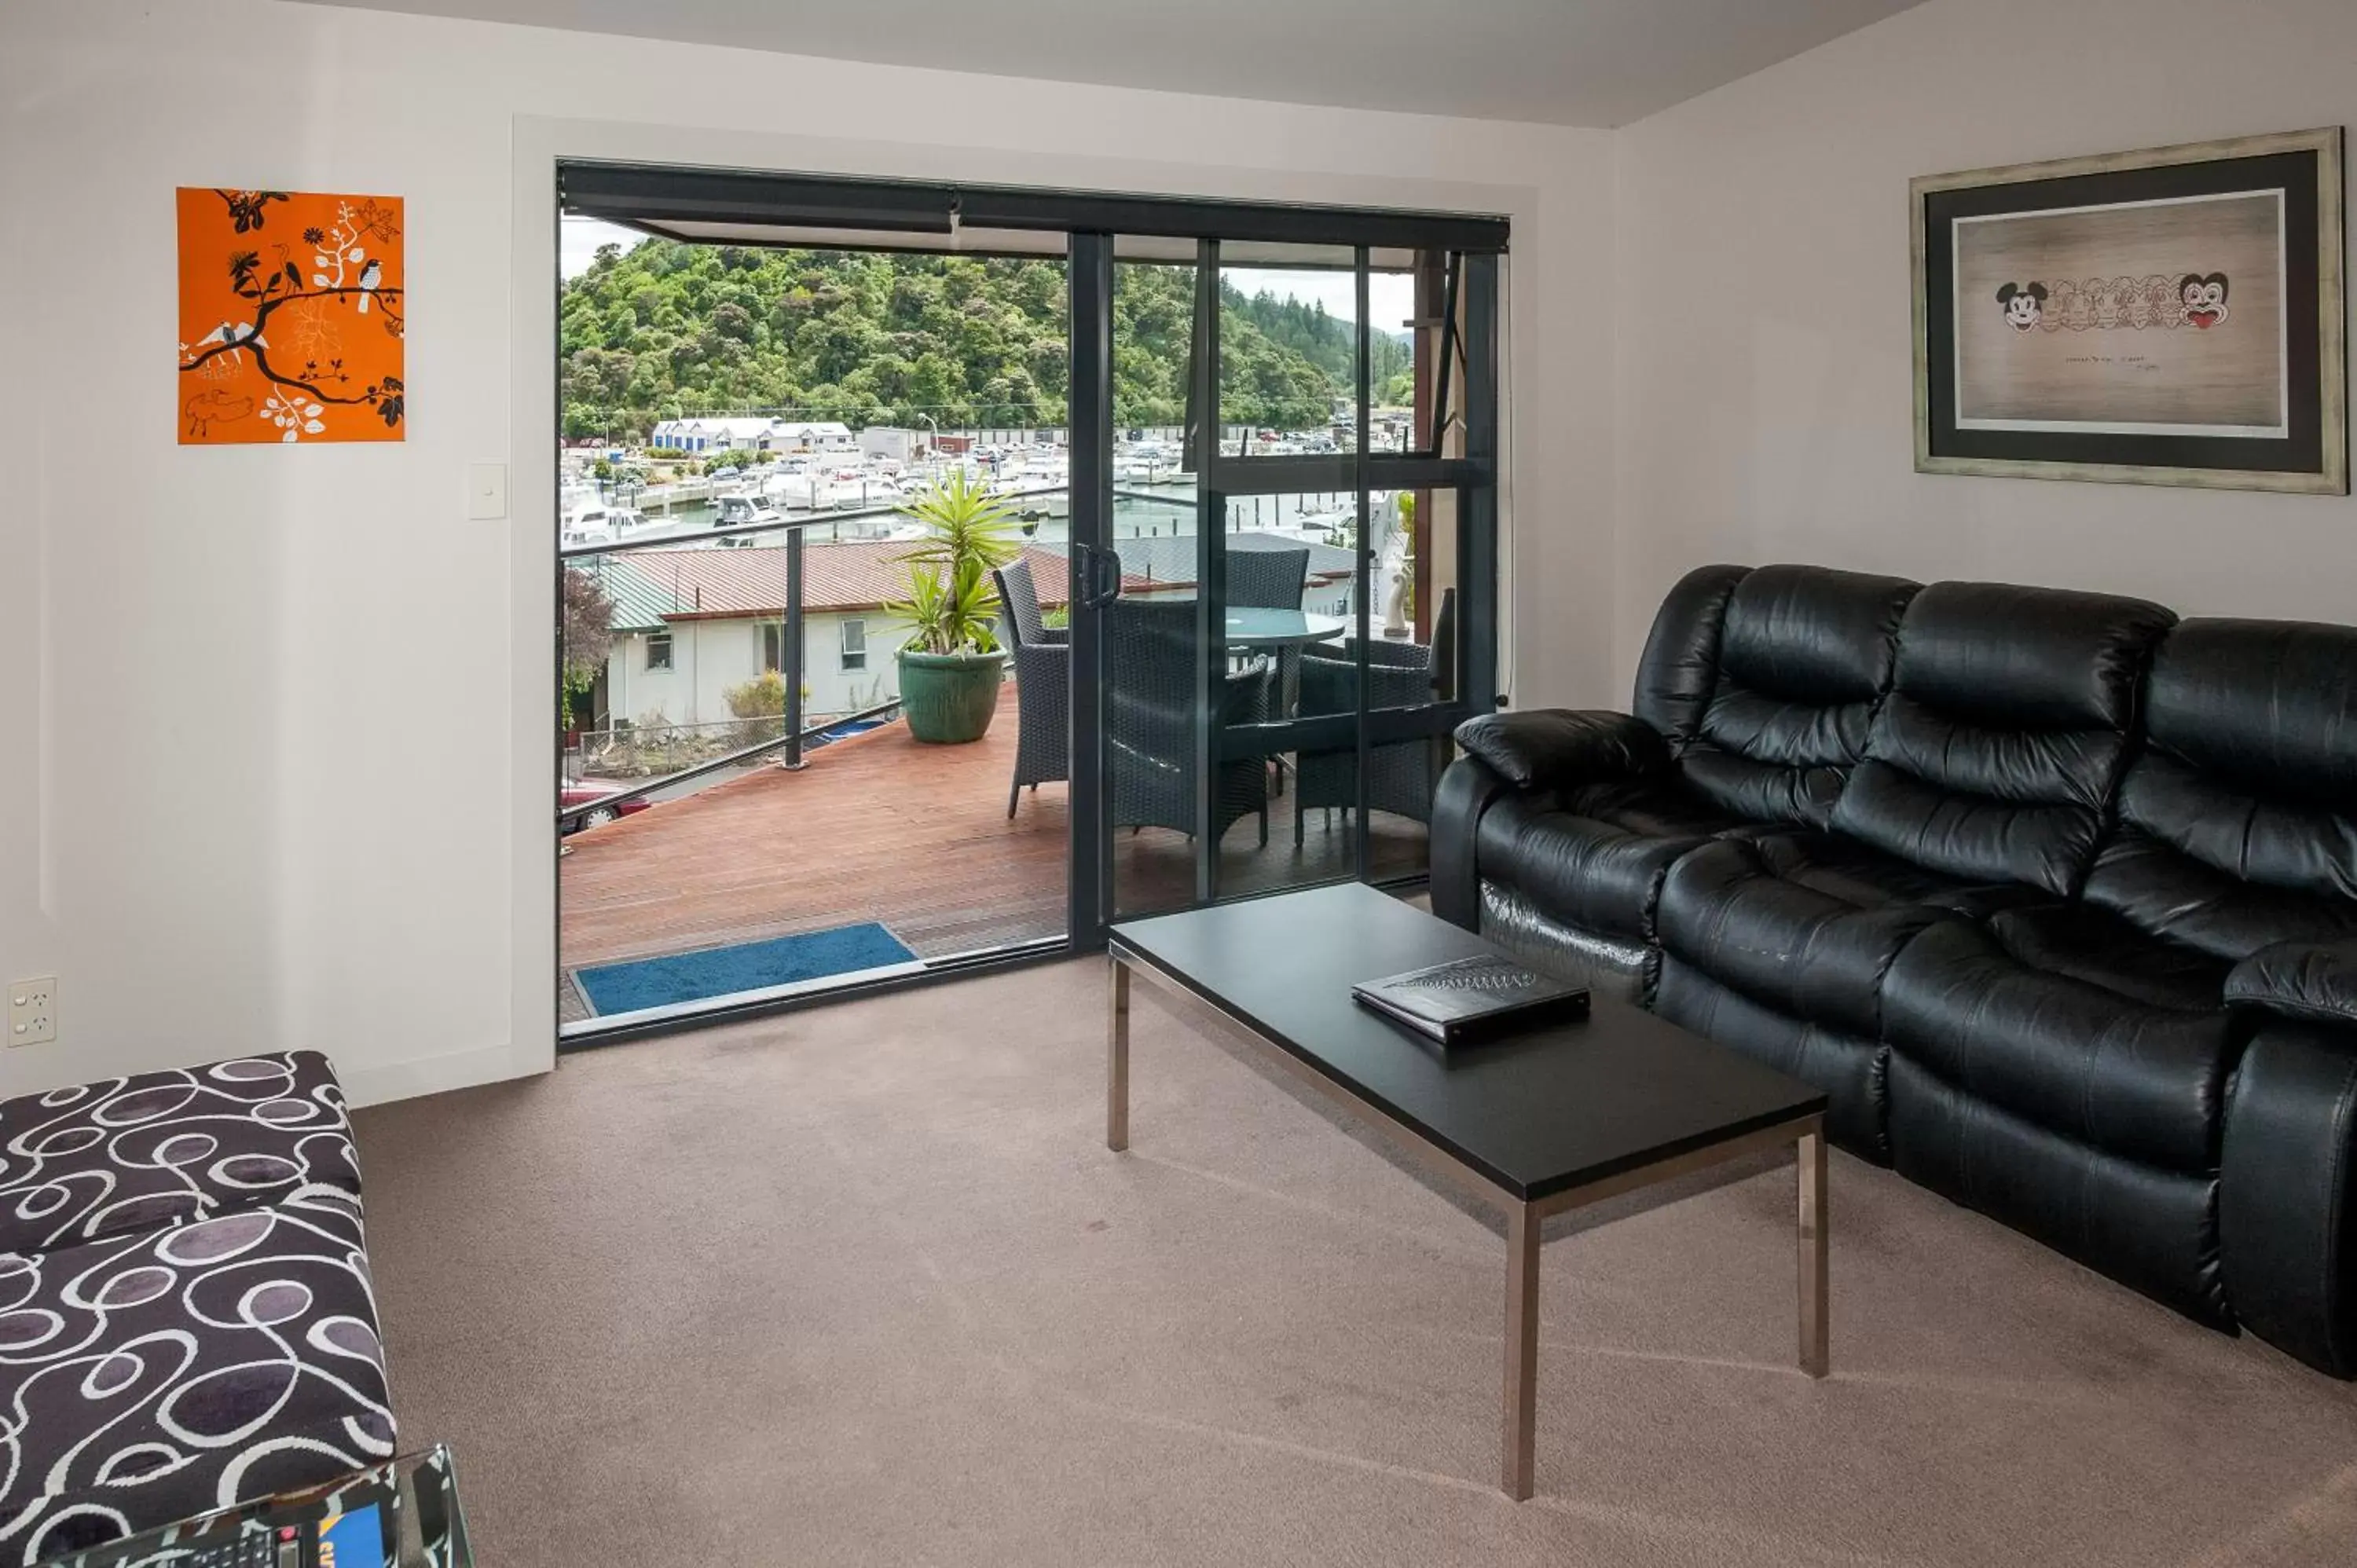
{"x": 1140, "y": 511}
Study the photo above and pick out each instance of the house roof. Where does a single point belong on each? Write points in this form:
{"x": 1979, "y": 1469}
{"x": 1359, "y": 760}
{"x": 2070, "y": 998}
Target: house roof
{"x": 651, "y": 588}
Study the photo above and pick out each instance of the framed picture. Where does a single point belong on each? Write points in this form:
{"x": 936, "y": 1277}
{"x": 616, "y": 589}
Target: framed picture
{"x": 293, "y": 316}
{"x": 2164, "y": 318}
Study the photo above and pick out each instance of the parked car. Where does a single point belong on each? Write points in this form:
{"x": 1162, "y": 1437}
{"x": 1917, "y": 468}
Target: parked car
{"x": 584, "y": 793}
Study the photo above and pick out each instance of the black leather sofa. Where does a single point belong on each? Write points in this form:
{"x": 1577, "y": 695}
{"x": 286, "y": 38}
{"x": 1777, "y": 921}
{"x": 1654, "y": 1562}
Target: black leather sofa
{"x": 2054, "y": 894}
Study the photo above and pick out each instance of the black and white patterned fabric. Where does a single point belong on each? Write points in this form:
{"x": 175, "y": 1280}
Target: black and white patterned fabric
{"x": 186, "y": 1317}
{"x": 129, "y": 1155}
{"x": 146, "y": 1378}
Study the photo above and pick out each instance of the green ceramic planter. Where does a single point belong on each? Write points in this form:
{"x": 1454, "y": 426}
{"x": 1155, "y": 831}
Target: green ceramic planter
{"x": 949, "y": 698}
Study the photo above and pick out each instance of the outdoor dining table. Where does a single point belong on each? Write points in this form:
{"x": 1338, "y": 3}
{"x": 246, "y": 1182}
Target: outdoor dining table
{"x": 1250, "y": 628}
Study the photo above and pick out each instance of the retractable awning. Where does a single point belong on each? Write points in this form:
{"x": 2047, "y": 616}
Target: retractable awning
{"x": 757, "y": 207}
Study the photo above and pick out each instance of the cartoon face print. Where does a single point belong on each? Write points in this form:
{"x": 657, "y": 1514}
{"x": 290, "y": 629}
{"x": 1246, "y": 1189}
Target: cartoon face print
{"x": 2022, "y": 303}
{"x": 2204, "y": 297}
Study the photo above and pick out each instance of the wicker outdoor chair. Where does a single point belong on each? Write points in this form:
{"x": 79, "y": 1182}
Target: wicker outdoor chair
{"x": 1401, "y": 777}
{"x": 1268, "y": 579}
{"x": 1151, "y": 658}
{"x": 1272, "y": 580}
{"x": 1043, "y": 657}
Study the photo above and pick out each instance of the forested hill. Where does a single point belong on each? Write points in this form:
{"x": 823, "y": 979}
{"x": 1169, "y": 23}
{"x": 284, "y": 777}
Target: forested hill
{"x": 666, "y": 329}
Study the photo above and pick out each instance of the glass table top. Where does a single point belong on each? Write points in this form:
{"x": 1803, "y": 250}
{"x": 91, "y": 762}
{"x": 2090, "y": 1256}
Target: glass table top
{"x": 401, "y": 1514}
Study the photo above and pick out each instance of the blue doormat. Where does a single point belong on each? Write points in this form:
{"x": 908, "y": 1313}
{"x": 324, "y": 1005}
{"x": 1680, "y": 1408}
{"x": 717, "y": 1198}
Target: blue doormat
{"x": 747, "y": 966}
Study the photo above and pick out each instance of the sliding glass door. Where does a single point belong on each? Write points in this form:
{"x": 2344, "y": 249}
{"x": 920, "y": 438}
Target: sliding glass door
{"x": 1285, "y": 594}
{"x": 1240, "y": 463}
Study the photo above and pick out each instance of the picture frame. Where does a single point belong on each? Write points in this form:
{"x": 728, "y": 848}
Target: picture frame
{"x": 292, "y": 317}
{"x": 2176, "y": 316}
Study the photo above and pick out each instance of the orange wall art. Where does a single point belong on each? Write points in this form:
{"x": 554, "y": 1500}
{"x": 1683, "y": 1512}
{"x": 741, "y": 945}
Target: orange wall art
{"x": 291, "y": 318}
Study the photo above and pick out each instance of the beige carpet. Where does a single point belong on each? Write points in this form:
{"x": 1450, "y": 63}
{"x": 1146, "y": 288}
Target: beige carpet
{"x": 863, "y": 1285}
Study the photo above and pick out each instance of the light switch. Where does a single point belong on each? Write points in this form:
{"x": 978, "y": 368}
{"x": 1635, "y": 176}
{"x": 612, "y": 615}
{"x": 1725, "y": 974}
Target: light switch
{"x": 487, "y": 489}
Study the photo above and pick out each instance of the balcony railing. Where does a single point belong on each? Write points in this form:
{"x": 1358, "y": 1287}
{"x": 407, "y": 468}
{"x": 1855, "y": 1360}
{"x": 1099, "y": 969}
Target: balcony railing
{"x": 794, "y": 731}
{"x": 697, "y": 751}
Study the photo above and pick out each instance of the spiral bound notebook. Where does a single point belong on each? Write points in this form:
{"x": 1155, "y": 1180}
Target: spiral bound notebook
{"x": 1472, "y": 999}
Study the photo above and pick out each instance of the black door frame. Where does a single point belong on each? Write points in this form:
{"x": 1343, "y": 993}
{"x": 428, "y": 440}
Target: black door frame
{"x": 678, "y": 201}
{"x": 1471, "y": 476}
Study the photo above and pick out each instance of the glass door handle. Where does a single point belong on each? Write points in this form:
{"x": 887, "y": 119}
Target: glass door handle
{"x": 1100, "y": 576}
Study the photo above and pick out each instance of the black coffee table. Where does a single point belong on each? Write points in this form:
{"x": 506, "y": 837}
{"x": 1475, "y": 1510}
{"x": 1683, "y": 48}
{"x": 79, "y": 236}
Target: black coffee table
{"x": 1535, "y": 1124}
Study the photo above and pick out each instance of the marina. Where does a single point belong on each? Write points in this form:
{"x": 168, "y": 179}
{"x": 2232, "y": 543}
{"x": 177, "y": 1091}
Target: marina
{"x": 1152, "y": 497}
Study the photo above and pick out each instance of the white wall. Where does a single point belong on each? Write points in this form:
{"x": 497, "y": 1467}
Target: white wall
{"x": 1764, "y": 392}
{"x": 834, "y": 688}
{"x": 275, "y": 864}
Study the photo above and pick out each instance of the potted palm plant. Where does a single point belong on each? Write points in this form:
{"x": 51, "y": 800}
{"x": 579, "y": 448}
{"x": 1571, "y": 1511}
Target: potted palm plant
{"x": 952, "y": 665}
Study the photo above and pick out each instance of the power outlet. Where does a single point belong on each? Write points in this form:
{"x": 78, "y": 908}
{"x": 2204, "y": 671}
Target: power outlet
{"x": 33, "y": 1011}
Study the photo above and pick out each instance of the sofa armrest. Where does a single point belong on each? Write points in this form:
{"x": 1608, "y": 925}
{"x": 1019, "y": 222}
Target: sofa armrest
{"x": 1468, "y": 788}
{"x": 2288, "y": 1193}
{"x": 1549, "y": 747}
{"x": 2313, "y": 981}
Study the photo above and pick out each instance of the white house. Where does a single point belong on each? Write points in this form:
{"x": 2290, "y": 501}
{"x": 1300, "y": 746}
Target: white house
{"x": 708, "y": 434}
{"x": 902, "y": 445}
{"x": 751, "y": 433}
{"x": 809, "y": 435}
{"x": 690, "y": 624}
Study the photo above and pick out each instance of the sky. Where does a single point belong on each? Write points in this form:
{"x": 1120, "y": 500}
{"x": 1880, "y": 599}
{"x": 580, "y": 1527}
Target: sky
{"x": 1390, "y": 297}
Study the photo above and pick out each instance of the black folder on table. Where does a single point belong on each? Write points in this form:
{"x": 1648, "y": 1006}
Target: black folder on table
{"x": 1472, "y": 999}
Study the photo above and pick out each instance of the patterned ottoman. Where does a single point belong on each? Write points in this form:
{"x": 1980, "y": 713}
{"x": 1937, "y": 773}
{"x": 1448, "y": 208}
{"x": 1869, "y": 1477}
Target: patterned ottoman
{"x": 160, "y": 1148}
{"x": 186, "y": 1316}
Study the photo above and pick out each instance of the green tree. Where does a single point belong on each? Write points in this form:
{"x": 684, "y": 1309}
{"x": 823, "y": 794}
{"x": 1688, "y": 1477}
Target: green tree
{"x": 664, "y": 330}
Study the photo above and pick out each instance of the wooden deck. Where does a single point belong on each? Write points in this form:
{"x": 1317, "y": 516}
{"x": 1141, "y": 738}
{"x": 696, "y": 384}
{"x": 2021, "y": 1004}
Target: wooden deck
{"x": 881, "y": 828}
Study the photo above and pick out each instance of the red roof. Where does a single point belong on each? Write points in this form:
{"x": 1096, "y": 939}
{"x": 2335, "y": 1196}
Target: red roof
{"x": 867, "y": 574}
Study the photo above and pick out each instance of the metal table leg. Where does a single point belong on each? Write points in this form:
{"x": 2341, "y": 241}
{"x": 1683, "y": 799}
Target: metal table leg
{"x": 1517, "y": 1461}
{"x": 1117, "y": 1057}
{"x": 1816, "y": 1356}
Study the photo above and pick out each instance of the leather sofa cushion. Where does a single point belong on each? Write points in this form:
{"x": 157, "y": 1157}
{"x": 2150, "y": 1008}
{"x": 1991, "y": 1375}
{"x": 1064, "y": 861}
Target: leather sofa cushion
{"x": 1862, "y": 875}
{"x": 2266, "y": 707}
{"x": 2010, "y": 658}
{"x": 1812, "y": 635}
{"x": 1553, "y": 747}
{"x": 1801, "y": 923}
{"x": 1967, "y": 836}
{"x": 1679, "y": 670}
{"x": 1994, "y": 755}
{"x": 1804, "y": 654}
{"x": 128, "y": 1155}
{"x": 2237, "y": 825}
{"x": 1597, "y": 865}
{"x": 2128, "y": 1050}
{"x": 1851, "y": 1071}
{"x": 2158, "y": 886}
{"x": 2269, "y": 837}
{"x": 2090, "y": 944}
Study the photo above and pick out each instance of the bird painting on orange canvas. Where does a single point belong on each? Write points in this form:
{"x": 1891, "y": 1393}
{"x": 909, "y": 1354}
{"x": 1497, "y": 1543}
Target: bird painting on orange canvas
{"x": 291, "y": 317}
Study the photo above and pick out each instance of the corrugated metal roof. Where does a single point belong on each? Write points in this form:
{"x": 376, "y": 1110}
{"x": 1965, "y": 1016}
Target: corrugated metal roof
{"x": 638, "y": 606}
